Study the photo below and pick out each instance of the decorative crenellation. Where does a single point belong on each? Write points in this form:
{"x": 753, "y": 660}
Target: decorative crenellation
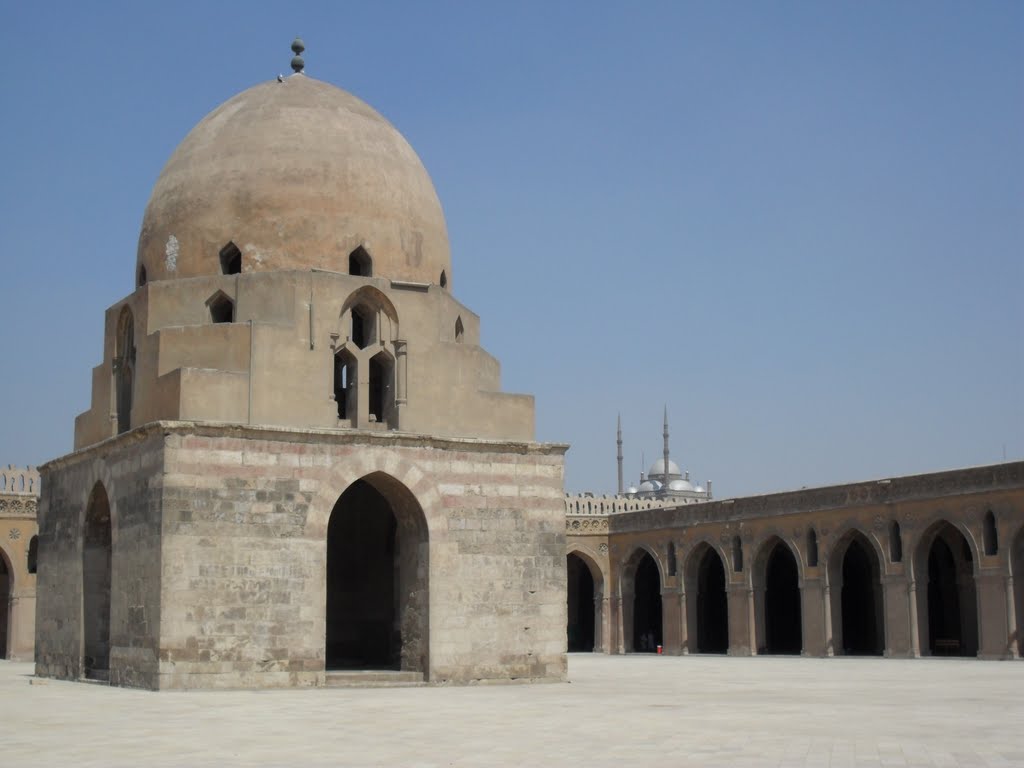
{"x": 21, "y": 481}
{"x": 588, "y": 504}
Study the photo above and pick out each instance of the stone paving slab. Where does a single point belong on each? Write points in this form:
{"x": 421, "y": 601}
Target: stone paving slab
{"x": 617, "y": 711}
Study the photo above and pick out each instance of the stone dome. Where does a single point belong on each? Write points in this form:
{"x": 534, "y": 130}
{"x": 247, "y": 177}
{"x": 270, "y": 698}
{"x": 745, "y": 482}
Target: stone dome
{"x": 294, "y": 174}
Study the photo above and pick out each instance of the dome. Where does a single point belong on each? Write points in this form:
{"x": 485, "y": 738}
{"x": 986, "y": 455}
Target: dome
{"x": 658, "y": 468}
{"x": 294, "y": 174}
{"x": 646, "y": 487}
{"x": 631, "y": 490}
{"x": 680, "y": 485}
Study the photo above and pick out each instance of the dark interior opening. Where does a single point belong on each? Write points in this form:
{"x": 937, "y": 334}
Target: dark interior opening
{"x": 33, "y": 555}
{"x": 230, "y": 260}
{"x": 360, "y": 325}
{"x": 647, "y": 623}
{"x": 362, "y": 600}
{"x": 444, "y": 279}
{"x": 380, "y": 387}
{"x": 360, "y": 263}
{"x": 859, "y": 602}
{"x": 222, "y": 309}
{"x": 895, "y": 543}
{"x": 783, "y": 633}
{"x": 580, "y": 598}
{"x": 96, "y": 579}
{"x": 5, "y": 602}
{"x": 344, "y": 384}
{"x": 142, "y": 276}
{"x": 712, "y": 606}
{"x": 946, "y": 634}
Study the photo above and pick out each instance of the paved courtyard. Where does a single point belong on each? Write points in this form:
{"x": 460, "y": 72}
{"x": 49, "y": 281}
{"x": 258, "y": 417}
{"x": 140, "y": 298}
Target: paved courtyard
{"x": 617, "y": 711}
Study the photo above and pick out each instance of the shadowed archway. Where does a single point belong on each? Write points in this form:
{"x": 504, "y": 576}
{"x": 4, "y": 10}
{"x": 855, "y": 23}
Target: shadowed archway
{"x": 6, "y": 590}
{"x": 583, "y": 596}
{"x": 1017, "y": 566}
{"x": 946, "y": 593}
{"x": 777, "y": 600}
{"x": 377, "y": 566}
{"x": 707, "y": 604}
{"x": 858, "y": 617}
{"x": 641, "y": 589}
{"x": 96, "y": 584}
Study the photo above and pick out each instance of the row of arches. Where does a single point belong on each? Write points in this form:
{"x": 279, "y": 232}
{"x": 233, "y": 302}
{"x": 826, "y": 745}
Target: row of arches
{"x": 376, "y": 611}
{"x": 767, "y": 609}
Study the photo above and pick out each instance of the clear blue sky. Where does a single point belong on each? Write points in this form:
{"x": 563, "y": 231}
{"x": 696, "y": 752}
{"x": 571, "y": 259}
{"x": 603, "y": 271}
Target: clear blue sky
{"x": 800, "y": 225}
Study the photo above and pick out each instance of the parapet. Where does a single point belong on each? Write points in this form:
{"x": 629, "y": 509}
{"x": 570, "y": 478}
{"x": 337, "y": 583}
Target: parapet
{"x": 19, "y": 481}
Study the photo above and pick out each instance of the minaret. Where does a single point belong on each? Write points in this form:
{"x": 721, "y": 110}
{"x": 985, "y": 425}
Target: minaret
{"x": 618, "y": 444}
{"x": 664, "y": 478}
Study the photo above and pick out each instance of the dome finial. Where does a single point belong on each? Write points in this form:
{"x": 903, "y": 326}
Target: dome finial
{"x": 297, "y": 48}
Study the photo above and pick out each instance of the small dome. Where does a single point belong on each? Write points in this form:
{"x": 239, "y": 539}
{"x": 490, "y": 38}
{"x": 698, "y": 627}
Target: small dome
{"x": 294, "y": 174}
{"x": 680, "y": 485}
{"x": 648, "y": 486}
{"x": 658, "y": 469}
{"x": 631, "y": 489}
{"x": 700, "y": 489}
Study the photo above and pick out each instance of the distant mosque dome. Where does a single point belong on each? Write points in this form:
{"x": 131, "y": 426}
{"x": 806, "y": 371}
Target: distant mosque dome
{"x": 631, "y": 490}
{"x": 680, "y": 485}
{"x": 658, "y": 468}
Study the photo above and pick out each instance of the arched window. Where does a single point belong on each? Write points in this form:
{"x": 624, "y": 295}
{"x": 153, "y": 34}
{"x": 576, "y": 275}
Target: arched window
{"x": 991, "y": 537}
{"x": 124, "y": 369}
{"x": 737, "y": 554}
{"x": 222, "y": 308}
{"x": 459, "y": 330}
{"x": 363, "y": 331}
{"x": 360, "y": 263}
{"x": 345, "y": 383}
{"x": 33, "y": 554}
{"x": 382, "y": 392}
{"x": 895, "y": 543}
{"x": 142, "y": 276}
{"x": 444, "y": 279}
{"x": 230, "y": 260}
{"x": 671, "y": 559}
{"x": 812, "y": 548}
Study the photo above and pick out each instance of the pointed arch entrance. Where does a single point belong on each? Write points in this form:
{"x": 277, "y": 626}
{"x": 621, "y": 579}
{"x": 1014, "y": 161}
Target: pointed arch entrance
{"x": 641, "y": 589}
{"x": 857, "y": 611}
{"x": 777, "y": 590}
{"x": 947, "y": 607}
{"x": 96, "y": 582}
{"x": 585, "y": 589}
{"x": 6, "y": 590}
{"x": 377, "y": 591}
{"x": 707, "y": 605}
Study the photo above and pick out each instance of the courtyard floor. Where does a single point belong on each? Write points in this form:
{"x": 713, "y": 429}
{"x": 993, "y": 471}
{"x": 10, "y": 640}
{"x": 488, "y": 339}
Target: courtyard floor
{"x": 617, "y": 711}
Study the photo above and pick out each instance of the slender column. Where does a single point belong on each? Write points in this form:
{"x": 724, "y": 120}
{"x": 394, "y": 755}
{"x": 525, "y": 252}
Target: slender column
{"x": 829, "y": 645}
{"x": 684, "y": 633}
{"x": 752, "y": 621}
{"x": 1011, "y": 620}
{"x": 401, "y": 396}
{"x": 605, "y": 626}
{"x": 915, "y": 636}
{"x": 619, "y": 641}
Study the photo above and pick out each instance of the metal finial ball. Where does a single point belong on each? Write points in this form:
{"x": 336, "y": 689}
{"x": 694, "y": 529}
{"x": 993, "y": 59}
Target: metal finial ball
{"x": 298, "y": 64}
{"x": 298, "y": 46}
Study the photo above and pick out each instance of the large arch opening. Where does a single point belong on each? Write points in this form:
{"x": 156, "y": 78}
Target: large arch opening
{"x": 6, "y": 589}
{"x": 708, "y": 623}
{"x": 96, "y": 582}
{"x": 858, "y": 619}
{"x": 780, "y": 626}
{"x": 647, "y": 619}
{"x": 377, "y": 567}
{"x": 583, "y": 597}
{"x": 948, "y": 622}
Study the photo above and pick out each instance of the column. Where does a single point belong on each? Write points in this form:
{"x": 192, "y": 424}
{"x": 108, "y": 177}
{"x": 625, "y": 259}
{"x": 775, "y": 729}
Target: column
{"x": 915, "y": 635}
{"x": 684, "y": 634}
{"x": 829, "y": 644}
{"x": 1011, "y": 620}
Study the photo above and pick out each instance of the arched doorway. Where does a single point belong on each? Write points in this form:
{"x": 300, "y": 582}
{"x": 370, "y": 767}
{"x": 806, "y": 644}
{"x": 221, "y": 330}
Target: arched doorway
{"x": 583, "y": 597}
{"x": 6, "y": 588}
{"x": 710, "y": 623}
{"x": 96, "y": 582}
{"x": 780, "y": 623}
{"x": 377, "y": 599}
{"x": 647, "y": 620}
{"x": 1017, "y": 566}
{"x": 949, "y": 619}
{"x": 858, "y": 618}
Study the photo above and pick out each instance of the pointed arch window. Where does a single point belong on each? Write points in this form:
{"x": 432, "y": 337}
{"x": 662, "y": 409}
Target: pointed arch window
{"x": 230, "y": 260}
{"x": 124, "y": 369}
{"x": 460, "y": 330}
{"x": 360, "y": 263}
{"x": 222, "y": 308}
{"x": 737, "y": 554}
{"x": 443, "y": 279}
{"x": 812, "y": 548}
{"x": 990, "y": 535}
{"x": 895, "y": 543}
{"x": 671, "y": 559}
